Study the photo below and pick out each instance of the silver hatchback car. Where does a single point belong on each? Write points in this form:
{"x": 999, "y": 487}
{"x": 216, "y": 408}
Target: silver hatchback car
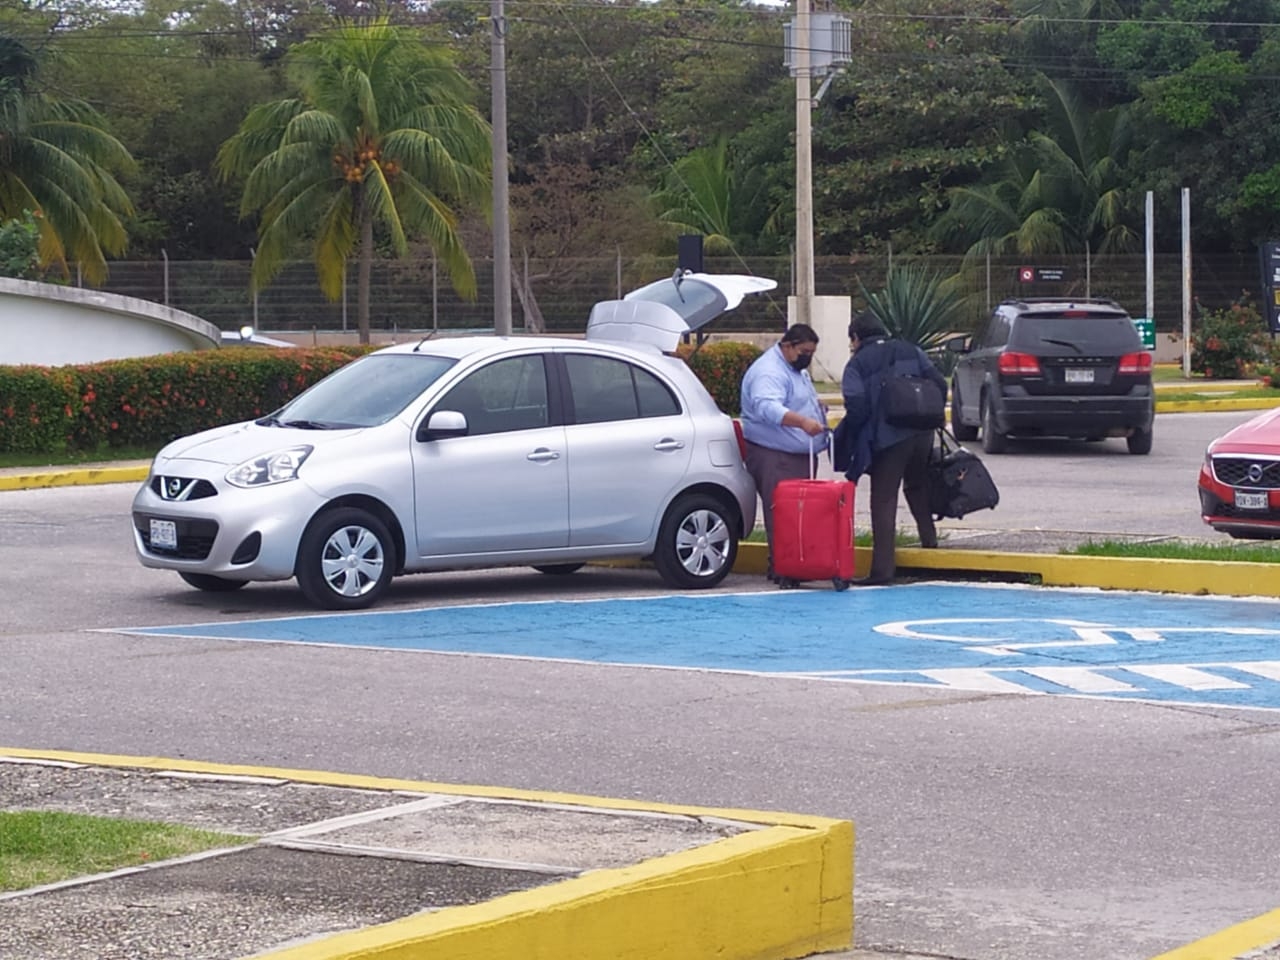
{"x": 469, "y": 452}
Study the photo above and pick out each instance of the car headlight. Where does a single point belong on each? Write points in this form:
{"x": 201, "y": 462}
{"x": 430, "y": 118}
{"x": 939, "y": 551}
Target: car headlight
{"x": 273, "y": 468}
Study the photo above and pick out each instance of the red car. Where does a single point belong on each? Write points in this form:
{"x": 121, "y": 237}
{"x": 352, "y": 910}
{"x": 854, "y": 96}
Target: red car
{"x": 1240, "y": 480}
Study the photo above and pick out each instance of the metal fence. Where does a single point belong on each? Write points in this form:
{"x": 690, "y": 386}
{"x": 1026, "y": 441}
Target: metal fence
{"x": 412, "y": 295}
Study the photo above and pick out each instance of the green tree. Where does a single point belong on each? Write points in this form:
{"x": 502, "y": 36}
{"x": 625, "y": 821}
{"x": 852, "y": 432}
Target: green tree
{"x": 382, "y": 134}
{"x": 918, "y": 305}
{"x": 20, "y": 248}
{"x": 1060, "y": 190}
{"x": 57, "y": 159}
{"x": 707, "y": 193}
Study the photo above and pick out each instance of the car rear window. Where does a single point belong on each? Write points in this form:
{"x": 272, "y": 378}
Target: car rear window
{"x": 1065, "y": 336}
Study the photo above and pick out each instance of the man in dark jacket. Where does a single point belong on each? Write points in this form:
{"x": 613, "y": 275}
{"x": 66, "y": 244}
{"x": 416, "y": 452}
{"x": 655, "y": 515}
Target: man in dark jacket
{"x": 894, "y": 457}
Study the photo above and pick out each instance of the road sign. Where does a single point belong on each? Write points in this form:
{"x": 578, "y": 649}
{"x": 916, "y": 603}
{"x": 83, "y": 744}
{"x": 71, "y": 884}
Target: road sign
{"x": 1147, "y": 331}
{"x": 1042, "y": 274}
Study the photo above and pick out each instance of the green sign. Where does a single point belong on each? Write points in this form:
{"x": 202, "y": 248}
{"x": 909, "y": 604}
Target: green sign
{"x": 1147, "y": 331}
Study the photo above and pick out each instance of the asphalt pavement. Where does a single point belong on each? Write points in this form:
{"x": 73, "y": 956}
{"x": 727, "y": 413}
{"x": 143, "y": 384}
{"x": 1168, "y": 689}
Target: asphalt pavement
{"x": 475, "y": 875}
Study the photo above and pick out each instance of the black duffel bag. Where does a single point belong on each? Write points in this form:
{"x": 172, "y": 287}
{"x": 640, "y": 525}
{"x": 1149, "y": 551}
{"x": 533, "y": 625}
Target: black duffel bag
{"x": 958, "y": 480}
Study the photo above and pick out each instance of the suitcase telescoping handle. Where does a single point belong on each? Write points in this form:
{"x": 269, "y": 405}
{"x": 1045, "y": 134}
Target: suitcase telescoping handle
{"x": 813, "y": 454}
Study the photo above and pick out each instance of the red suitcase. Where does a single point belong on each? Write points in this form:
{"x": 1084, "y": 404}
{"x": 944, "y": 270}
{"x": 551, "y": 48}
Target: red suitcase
{"x": 813, "y": 532}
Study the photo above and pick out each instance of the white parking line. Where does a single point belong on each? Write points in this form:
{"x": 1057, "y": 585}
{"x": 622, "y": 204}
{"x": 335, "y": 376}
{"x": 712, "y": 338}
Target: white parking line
{"x": 1188, "y": 677}
{"x": 1081, "y": 679}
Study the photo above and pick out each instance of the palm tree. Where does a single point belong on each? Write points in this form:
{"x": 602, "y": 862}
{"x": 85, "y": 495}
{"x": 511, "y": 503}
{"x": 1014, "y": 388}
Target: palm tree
{"x": 382, "y": 134}
{"x": 1062, "y": 189}
{"x": 58, "y": 162}
{"x": 706, "y": 193}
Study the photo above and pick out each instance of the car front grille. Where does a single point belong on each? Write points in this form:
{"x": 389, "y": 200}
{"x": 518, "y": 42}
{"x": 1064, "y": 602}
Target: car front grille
{"x": 195, "y": 537}
{"x": 178, "y": 489}
{"x": 1249, "y": 472}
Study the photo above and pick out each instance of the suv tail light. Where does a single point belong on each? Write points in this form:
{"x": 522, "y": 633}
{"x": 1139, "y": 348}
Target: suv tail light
{"x": 1135, "y": 363}
{"x": 1019, "y": 364}
{"x": 742, "y": 440}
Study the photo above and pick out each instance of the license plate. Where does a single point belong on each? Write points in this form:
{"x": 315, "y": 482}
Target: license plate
{"x": 164, "y": 534}
{"x": 1080, "y": 376}
{"x": 1251, "y": 501}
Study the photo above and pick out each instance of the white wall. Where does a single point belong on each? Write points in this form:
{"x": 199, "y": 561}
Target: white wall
{"x": 51, "y": 325}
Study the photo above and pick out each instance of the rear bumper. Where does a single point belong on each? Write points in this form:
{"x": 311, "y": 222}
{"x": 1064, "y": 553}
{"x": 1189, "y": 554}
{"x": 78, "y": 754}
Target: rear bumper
{"x": 1074, "y": 416}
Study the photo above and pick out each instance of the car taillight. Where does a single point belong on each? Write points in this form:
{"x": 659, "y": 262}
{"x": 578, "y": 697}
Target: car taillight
{"x": 1135, "y": 363}
{"x": 1019, "y": 364}
{"x": 742, "y": 441}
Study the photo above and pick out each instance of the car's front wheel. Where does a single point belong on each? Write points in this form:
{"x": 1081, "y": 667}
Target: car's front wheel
{"x": 206, "y": 581}
{"x": 697, "y": 543}
{"x": 1140, "y": 441}
{"x": 960, "y": 429}
{"x": 345, "y": 559}
{"x": 993, "y": 441}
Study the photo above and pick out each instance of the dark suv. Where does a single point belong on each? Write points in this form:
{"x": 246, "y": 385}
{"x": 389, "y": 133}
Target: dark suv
{"x": 1050, "y": 367}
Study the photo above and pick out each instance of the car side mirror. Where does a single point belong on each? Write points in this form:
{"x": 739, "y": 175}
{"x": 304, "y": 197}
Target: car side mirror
{"x": 958, "y": 344}
{"x": 442, "y": 424}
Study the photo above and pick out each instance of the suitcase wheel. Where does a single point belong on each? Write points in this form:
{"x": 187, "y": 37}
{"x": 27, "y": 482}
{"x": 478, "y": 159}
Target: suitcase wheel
{"x": 840, "y": 583}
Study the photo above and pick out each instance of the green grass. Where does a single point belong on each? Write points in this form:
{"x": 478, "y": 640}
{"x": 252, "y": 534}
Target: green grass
{"x": 1181, "y": 550}
{"x": 859, "y": 539}
{"x": 1269, "y": 393}
{"x": 38, "y": 847}
{"x": 66, "y": 458}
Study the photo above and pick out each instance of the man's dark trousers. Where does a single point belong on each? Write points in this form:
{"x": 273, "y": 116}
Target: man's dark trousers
{"x": 904, "y": 465}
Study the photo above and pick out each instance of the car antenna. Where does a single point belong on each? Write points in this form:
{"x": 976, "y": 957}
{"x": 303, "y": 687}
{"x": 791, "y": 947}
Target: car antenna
{"x": 424, "y": 340}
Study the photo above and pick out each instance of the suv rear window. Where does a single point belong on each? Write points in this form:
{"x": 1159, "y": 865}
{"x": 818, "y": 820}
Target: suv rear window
{"x": 1077, "y": 335}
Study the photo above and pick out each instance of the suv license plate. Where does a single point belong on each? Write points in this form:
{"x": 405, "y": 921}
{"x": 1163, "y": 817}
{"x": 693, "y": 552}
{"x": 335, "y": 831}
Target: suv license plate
{"x": 1080, "y": 376}
{"x": 164, "y": 533}
{"x": 1251, "y": 501}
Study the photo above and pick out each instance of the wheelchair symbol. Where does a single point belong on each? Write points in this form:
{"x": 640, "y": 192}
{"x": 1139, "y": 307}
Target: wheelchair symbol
{"x": 1084, "y": 633}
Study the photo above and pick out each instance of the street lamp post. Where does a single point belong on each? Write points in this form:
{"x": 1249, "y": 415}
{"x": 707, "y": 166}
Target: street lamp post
{"x": 804, "y": 166}
{"x": 501, "y": 214}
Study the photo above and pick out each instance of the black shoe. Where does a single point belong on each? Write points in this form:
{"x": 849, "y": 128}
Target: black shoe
{"x": 870, "y": 581}
{"x": 929, "y": 543}
{"x": 768, "y": 572}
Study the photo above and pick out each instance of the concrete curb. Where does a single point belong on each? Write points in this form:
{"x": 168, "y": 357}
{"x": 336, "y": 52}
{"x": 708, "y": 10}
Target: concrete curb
{"x": 1238, "y": 942}
{"x": 38, "y": 478}
{"x": 1067, "y": 570}
{"x": 783, "y": 891}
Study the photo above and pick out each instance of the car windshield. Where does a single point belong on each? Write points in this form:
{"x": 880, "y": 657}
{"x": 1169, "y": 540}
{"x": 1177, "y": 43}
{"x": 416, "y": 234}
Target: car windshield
{"x": 1090, "y": 336}
{"x": 365, "y": 393}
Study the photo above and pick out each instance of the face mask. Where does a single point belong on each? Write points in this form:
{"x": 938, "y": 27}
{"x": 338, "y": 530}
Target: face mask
{"x": 801, "y": 361}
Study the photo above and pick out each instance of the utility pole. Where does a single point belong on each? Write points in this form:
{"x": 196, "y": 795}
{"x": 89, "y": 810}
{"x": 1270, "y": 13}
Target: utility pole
{"x": 804, "y": 166}
{"x": 501, "y": 211}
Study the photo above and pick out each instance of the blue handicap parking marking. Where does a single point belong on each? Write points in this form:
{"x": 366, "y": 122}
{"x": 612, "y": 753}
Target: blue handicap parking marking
{"x": 992, "y": 638}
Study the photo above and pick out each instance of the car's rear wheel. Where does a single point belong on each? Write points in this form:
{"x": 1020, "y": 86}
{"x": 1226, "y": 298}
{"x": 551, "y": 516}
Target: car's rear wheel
{"x": 558, "y": 569}
{"x": 206, "y": 581}
{"x": 1140, "y": 441}
{"x": 959, "y": 428}
{"x": 345, "y": 559}
{"x": 697, "y": 543}
{"x": 993, "y": 441}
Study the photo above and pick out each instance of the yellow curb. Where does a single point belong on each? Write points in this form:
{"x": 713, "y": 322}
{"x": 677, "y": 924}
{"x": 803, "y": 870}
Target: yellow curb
{"x": 1233, "y": 943}
{"x": 1208, "y": 404}
{"x": 780, "y": 892}
{"x": 72, "y": 477}
{"x": 1234, "y": 579}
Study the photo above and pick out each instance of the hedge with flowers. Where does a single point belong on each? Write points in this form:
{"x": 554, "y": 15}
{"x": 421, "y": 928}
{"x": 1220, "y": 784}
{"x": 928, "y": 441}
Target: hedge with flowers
{"x": 1229, "y": 344}
{"x": 720, "y": 366}
{"x": 148, "y": 401}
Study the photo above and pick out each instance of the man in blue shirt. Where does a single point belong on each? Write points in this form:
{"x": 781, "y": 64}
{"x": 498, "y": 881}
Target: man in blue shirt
{"x": 781, "y": 416}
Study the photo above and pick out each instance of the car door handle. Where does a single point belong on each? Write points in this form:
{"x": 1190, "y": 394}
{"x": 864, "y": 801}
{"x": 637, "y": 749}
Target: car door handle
{"x": 543, "y": 455}
{"x": 666, "y": 443}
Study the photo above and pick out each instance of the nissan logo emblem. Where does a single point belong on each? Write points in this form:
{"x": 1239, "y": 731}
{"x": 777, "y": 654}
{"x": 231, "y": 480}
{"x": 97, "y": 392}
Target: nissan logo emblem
{"x": 1255, "y": 472}
{"x": 174, "y": 484}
